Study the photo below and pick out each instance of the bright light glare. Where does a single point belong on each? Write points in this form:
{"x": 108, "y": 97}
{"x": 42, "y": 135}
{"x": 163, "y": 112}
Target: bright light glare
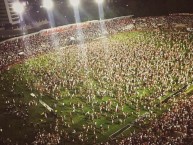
{"x": 75, "y": 3}
{"x": 18, "y": 7}
{"x": 99, "y": 1}
{"x": 48, "y": 4}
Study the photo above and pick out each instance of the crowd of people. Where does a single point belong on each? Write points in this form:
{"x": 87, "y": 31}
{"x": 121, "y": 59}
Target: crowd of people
{"x": 173, "y": 127}
{"x": 104, "y": 78}
{"x": 50, "y": 39}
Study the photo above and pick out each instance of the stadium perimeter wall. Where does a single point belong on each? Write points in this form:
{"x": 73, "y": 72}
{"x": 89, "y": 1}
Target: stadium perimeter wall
{"x": 145, "y": 22}
{"x": 50, "y": 39}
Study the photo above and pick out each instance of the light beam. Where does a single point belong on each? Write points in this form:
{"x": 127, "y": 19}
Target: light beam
{"x": 75, "y": 3}
{"x": 48, "y": 4}
{"x": 18, "y": 7}
{"x": 99, "y": 1}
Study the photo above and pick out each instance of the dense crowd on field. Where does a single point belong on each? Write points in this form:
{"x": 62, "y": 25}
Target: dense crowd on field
{"x": 13, "y": 50}
{"x": 106, "y": 71}
{"x": 119, "y": 68}
{"x": 174, "y": 127}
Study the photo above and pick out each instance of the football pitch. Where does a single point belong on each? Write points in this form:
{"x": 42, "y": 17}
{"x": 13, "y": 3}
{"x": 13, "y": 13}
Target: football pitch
{"x": 86, "y": 93}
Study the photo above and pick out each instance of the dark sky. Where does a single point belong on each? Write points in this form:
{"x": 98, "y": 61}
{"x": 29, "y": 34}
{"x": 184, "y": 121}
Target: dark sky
{"x": 63, "y": 13}
{"x": 159, "y": 7}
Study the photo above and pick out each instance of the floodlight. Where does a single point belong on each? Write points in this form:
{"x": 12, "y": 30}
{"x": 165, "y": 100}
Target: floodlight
{"x": 18, "y": 7}
{"x": 75, "y": 3}
{"x": 99, "y": 1}
{"x": 48, "y": 4}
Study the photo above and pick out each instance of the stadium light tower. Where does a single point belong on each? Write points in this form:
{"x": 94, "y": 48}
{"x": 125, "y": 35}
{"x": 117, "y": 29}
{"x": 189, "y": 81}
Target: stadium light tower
{"x": 75, "y": 3}
{"x": 18, "y": 7}
{"x": 100, "y": 8}
{"x": 100, "y": 1}
{"x": 103, "y": 28}
{"x": 79, "y": 33}
{"x": 101, "y": 16}
{"x": 48, "y": 4}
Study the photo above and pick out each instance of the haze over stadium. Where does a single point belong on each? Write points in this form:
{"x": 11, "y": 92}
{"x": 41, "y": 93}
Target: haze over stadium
{"x": 107, "y": 72}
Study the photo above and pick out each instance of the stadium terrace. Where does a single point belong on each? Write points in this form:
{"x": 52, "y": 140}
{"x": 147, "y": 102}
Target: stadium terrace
{"x": 114, "y": 82}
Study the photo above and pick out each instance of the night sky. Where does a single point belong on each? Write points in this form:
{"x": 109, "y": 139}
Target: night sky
{"x": 63, "y": 11}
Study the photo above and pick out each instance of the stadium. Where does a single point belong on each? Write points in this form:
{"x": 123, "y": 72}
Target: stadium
{"x": 117, "y": 81}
